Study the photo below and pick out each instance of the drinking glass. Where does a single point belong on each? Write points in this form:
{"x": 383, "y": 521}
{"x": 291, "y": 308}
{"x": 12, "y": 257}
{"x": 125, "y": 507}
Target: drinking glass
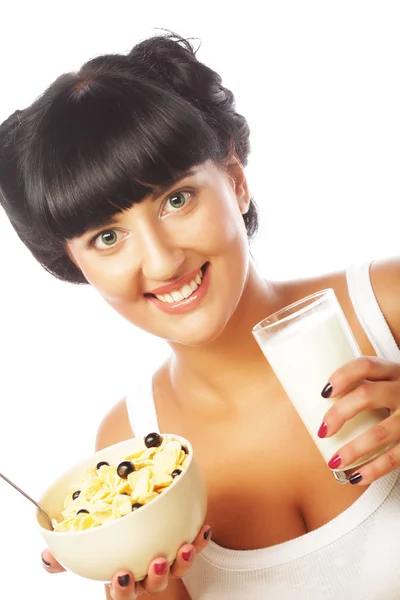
{"x": 305, "y": 343}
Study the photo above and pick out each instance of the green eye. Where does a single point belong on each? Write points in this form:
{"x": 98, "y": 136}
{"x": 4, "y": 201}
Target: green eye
{"x": 177, "y": 201}
{"x": 108, "y": 238}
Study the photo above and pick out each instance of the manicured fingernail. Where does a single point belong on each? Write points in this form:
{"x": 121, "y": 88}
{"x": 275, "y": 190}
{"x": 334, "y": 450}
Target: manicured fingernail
{"x": 356, "y": 478}
{"x": 46, "y": 564}
{"x": 327, "y": 391}
{"x": 335, "y": 461}
{"x": 323, "y": 430}
{"x": 123, "y": 580}
{"x": 207, "y": 534}
{"x": 187, "y": 555}
{"x": 160, "y": 568}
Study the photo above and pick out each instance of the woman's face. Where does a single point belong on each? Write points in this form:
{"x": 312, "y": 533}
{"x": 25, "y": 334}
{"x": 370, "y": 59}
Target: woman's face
{"x": 176, "y": 264}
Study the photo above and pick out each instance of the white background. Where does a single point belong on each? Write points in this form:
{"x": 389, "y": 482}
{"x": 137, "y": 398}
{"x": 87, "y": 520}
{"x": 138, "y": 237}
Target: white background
{"x": 319, "y": 82}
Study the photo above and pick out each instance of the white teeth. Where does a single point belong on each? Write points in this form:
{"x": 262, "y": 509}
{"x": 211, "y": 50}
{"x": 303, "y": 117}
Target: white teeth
{"x": 186, "y": 291}
{"x": 177, "y": 296}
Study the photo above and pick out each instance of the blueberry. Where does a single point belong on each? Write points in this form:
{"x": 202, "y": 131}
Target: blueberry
{"x": 101, "y": 464}
{"x": 83, "y": 510}
{"x": 125, "y": 468}
{"x": 153, "y": 440}
{"x": 75, "y": 495}
{"x": 176, "y": 472}
{"x": 136, "y": 505}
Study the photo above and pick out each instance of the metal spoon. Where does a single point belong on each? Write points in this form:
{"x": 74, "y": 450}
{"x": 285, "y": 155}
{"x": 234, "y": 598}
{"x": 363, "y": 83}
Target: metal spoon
{"x": 29, "y": 498}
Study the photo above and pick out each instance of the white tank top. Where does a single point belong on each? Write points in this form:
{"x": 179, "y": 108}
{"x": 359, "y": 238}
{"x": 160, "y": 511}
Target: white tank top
{"x": 356, "y": 556}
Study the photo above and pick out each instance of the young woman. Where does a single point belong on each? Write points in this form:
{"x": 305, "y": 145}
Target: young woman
{"x": 129, "y": 176}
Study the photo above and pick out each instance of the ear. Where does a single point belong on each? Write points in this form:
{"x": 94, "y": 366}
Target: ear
{"x": 236, "y": 171}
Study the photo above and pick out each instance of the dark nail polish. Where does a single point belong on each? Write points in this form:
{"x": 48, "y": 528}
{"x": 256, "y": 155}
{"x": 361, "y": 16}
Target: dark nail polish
{"x": 46, "y": 564}
{"x": 160, "y": 568}
{"x": 207, "y": 534}
{"x": 188, "y": 555}
{"x": 335, "y": 461}
{"x": 356, "y": 478}
{"x": 323, "y": 430}
{"x": 123, "y": 580}
{"x": 327, "y": 391}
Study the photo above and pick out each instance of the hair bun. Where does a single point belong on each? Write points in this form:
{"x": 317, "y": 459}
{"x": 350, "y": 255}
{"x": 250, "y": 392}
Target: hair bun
{"x": 170, "y": 60}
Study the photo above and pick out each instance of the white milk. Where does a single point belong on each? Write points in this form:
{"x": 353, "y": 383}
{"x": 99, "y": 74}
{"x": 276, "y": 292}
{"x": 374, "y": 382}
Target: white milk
{"x": 303, "y": 356}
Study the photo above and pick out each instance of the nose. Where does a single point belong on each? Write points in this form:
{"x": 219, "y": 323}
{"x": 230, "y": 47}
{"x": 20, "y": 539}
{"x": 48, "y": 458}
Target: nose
{"x": 161, "y": 258}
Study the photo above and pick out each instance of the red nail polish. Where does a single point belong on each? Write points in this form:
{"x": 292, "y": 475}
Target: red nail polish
{"x": 323, "y": 430}
{"x": 160, "y": 568}
{"x": 335, "y": 462}
{"x": 187, "y": 555}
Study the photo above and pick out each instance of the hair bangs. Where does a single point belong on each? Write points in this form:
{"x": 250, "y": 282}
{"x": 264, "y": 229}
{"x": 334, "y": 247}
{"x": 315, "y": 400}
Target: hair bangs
{"x": 100, "y": 143}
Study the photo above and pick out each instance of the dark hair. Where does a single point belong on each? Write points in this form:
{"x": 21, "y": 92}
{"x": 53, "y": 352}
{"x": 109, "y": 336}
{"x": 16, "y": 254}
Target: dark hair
{"x": 97, "y": 141}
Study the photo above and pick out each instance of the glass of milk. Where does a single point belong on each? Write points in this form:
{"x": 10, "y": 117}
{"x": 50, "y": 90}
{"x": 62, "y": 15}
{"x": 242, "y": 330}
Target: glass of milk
{"x": 305, "y": 343}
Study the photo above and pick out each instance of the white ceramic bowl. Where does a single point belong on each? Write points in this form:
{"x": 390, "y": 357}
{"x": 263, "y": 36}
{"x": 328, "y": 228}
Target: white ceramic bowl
{"x": 159, "y": 528}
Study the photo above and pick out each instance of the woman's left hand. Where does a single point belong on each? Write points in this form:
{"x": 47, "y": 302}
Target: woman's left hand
{"x": 381, "y": 390}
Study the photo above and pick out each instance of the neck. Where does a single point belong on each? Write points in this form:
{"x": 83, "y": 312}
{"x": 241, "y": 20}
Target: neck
{"x": 234, "y": 357}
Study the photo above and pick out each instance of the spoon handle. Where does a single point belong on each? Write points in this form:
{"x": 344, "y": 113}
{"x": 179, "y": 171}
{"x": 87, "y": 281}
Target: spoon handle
{"x": 28, "y": 497}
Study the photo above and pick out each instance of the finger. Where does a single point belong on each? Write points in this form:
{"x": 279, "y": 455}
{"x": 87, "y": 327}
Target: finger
{"x": 364, "y": 368}
{"x": 50, "y": 564}
{"x": 184, "y": 560}
{"x": 379, "y": 436}
{"x": 187, "y": 552}
{"x": 123, "y": 586}
{"x": 366, "y": 396}
{"x": 382, "y": 465}
{"x": 202, "y": 538}
{"x": 157, "y": 578}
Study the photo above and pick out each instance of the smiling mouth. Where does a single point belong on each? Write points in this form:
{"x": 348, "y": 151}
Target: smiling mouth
{"x": 184, "y": 292}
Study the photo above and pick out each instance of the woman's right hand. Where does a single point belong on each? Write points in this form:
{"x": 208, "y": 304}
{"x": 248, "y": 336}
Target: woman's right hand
{"x": 123, "y": 585}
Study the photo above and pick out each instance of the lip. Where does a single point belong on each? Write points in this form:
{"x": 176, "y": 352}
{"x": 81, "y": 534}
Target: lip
{"x": 187, "y": 304}
{"x": 176, "y": 285}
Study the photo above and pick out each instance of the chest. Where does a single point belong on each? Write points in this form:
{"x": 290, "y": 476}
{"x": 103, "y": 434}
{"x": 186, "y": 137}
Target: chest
{"x": 266, "y": 481}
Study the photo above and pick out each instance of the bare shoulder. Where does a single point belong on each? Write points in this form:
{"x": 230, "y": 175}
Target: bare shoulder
{"x": 385, "y": 280}
{"x": 115, "y": 426}
{"x": 294, "y": 290}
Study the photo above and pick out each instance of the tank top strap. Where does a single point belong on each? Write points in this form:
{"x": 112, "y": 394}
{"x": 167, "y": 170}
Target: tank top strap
{"x": 369, "y": 312}
{"x": 141, "y": 408}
